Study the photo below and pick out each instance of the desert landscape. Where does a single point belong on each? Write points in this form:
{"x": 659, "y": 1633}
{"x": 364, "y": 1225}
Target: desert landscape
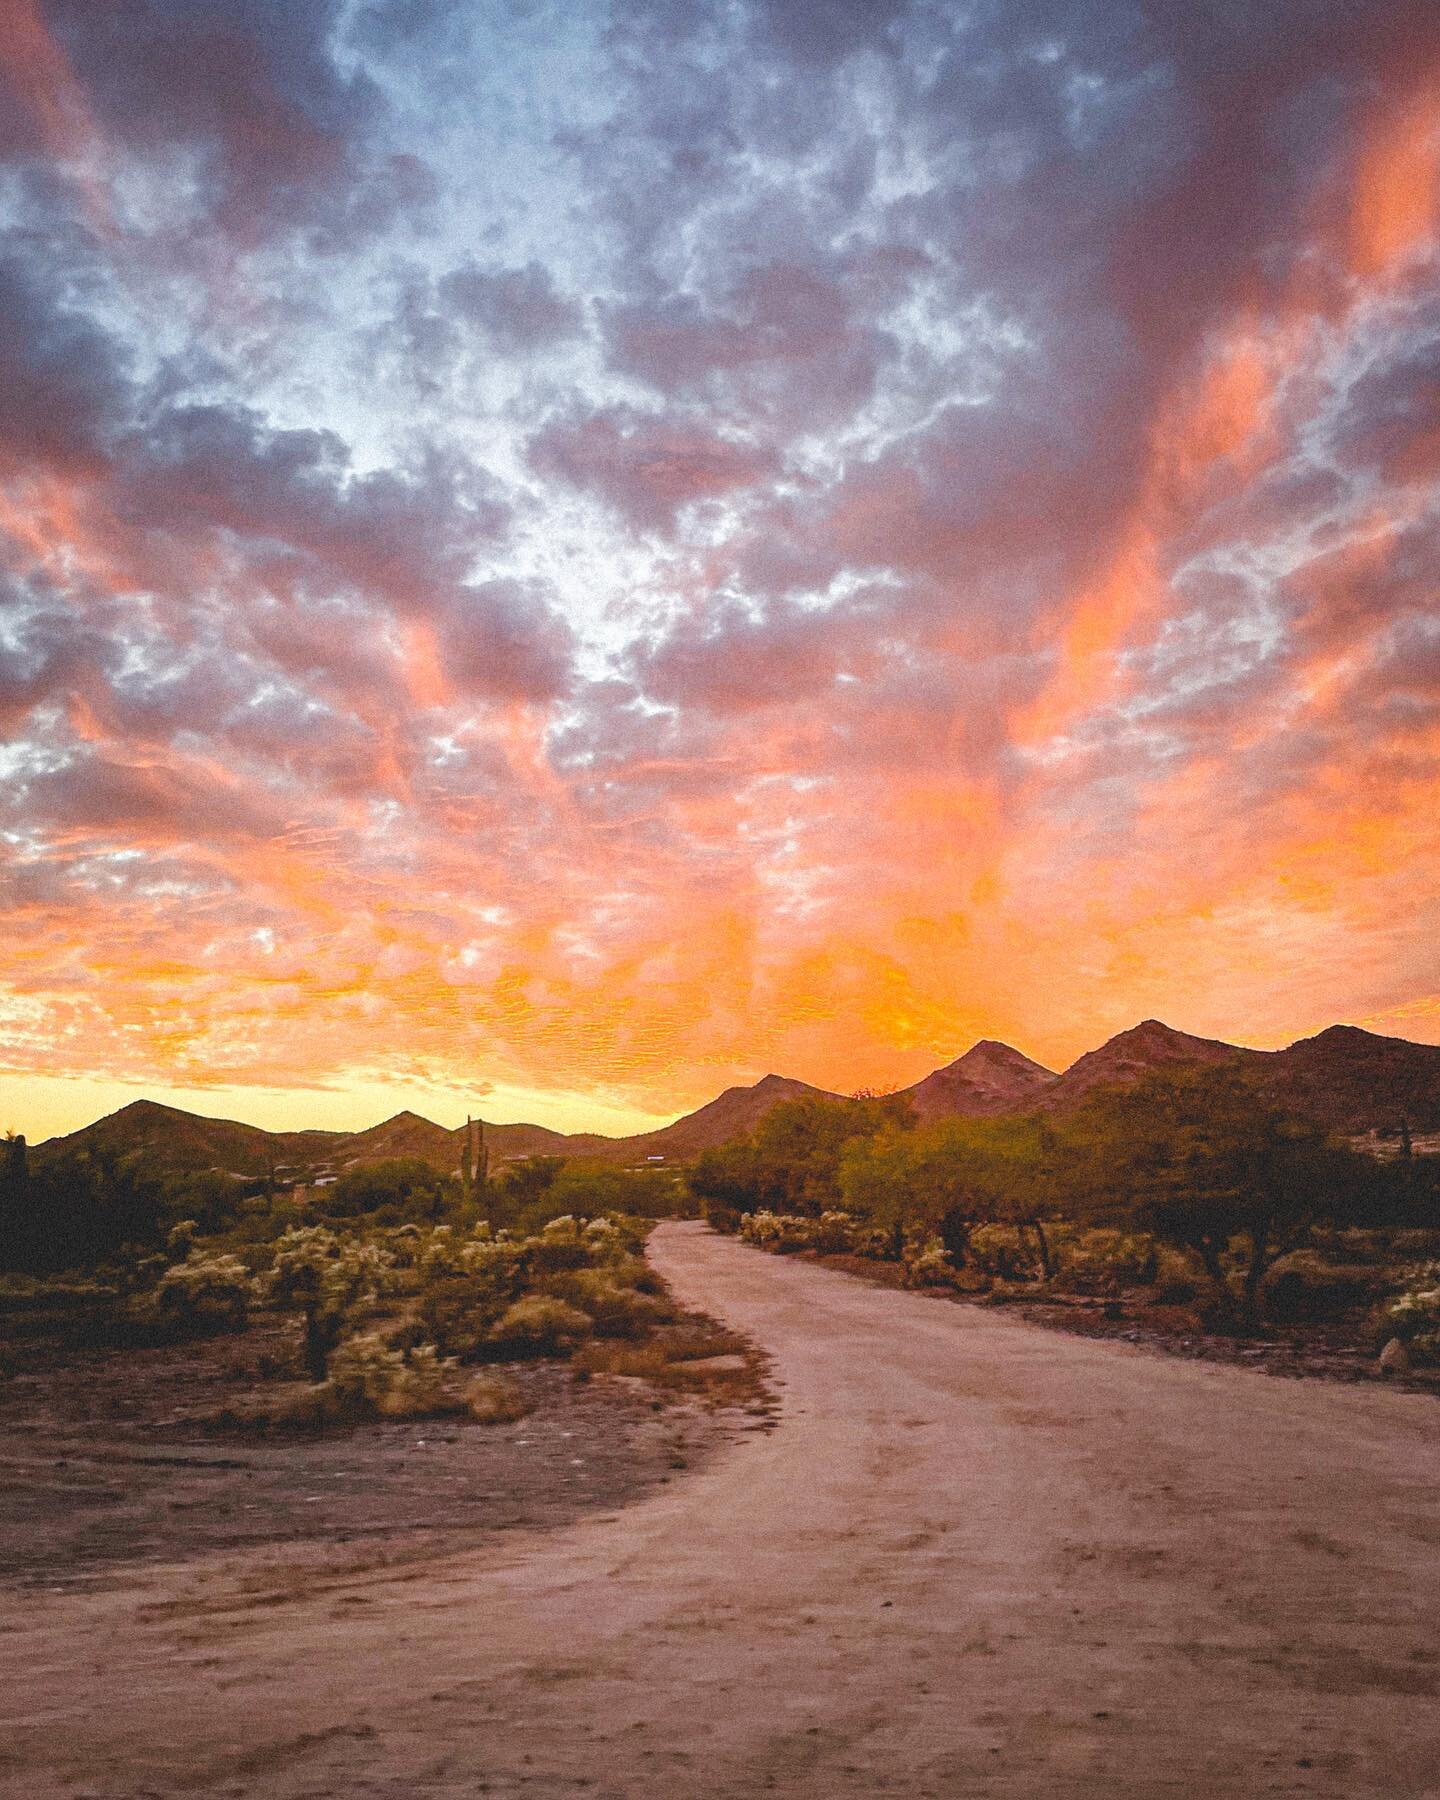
{"x": 719, "y": 898}
{"x": 971, "y": 1557}
{"x": 974, "y": 1482}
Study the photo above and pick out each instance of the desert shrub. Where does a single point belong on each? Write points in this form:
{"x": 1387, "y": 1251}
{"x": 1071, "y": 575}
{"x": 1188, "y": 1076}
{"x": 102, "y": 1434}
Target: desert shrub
{"x": 927, "y": 1264}
{"x": 832, "y": 1234}
{"x": 1001, "y": 1251}
{"x": 604, "y": 1241}
{"x": 497, "y": 1267}
{"x": 540, "y": 1325}
{"x": 617, "y": 1309}
{"x": 457, "y": 1315}
{"x": 402, "y": 1187}
{"x": 1417, "y": 1246}
{"x": 180, "y": 1239}
{"x": 465, "y": 1281}
{"x": 1178, "y": 1279}
{"x": 780, "y": 1232}
{"x": 202, "y": 1295}
{"x": 370, "y": 1378}
{"x": 1414, "y": 1316}
{"x": 491, "y": 1400}
{"x": 1104, "y": 1261}
{"x": 1302, "y": 1288}
{"x": 328, "y": 1278}
{"x": 589, "y": 1190}
{"x": 559, "y": 1245}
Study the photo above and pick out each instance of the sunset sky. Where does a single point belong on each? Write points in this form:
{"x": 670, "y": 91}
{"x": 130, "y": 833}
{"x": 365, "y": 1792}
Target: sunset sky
{"x": 555, "y": 557}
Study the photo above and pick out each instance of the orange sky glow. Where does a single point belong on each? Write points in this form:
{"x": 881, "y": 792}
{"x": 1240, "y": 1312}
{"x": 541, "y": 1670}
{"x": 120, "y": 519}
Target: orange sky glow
{"x": 960, "y": 561}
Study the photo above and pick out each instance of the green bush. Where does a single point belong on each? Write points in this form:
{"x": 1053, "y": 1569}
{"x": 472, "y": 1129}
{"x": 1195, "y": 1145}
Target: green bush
{"x": 1178, "y": 1278}
{"x": 1105, "y": 1261}
{"x": 617, "y": 1308}
{"x": 403, "y": 1187}
{"x": 927, "y": 1264}
{"x": 457, "y": 1314}
{"x": 1000, "y": 1251}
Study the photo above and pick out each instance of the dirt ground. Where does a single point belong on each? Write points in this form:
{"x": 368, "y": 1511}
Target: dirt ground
{"x": 1342, "y": 1349}
{"x": 112, "y": 1459}
{"x": 976, "y": 1558}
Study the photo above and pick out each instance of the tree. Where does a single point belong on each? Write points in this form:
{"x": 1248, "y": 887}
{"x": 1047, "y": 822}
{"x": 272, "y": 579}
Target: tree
{"x": 908, "y": 1183}
{"x": 15, "y": 1213}
{"x": 730, "y": 1181}
{"x": 408, "y": 1184}
{"x": 1202, "y": 1159}
{"x": 800, "y": 1143}
{"x": 946, "y": 1178}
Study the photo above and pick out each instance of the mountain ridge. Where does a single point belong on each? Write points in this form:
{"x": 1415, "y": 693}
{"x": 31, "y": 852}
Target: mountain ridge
{"x": 1347, "y": 1079}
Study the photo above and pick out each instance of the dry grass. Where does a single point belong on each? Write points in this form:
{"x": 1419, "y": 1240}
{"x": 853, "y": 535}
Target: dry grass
{"x": 675, "y": 1361}
{"x": 491, "y": 1400}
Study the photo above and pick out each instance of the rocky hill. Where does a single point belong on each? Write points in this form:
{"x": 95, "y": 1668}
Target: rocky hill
{"x": 989, "y": 1078}
{"x": 407, "y": 1134}
{"x": 1355, "y": 1081}
{"x": 188, "y": 1143}
{"x": 1128, "y": 1057}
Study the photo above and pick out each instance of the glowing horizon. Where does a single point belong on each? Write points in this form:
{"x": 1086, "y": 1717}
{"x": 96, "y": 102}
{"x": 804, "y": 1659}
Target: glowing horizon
{"x": 564, "y": 558}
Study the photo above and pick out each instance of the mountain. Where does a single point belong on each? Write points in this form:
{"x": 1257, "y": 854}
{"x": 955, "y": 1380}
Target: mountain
{"x": 1345, "y": 1079}
{"x": 989, "y": 1078}
{"x": 1355, "y": 1081}
{"x": 407, "y": 1134}
{"x": 1131, "y": 1055}
{"x": 732, "y": 1114}
{"x": 187, "y": 1143}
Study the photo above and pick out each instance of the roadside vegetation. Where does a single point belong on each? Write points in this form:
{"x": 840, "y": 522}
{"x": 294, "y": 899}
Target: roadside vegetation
{"x": 1187, "y": 1193}
{"x": 409, "y": 1293}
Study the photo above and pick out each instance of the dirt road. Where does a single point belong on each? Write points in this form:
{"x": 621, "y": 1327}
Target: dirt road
{"x": 976, "y": 1558}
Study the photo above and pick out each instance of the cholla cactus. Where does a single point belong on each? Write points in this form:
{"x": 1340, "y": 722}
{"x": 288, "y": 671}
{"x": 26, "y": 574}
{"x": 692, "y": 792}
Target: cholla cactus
{"x": 366, "y": 1375}
{"x": 481, "y": 1259}
{"x": 327, "y": 1277}
{"x": 204, "y": 1293}
{"x": 927, "y": 1264}
{"x": 604, "y": 1240}
{"x": 1415, "y": 1316}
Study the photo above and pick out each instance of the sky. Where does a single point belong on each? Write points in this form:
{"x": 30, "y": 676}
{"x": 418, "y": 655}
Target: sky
{"x": 556, "y": 557}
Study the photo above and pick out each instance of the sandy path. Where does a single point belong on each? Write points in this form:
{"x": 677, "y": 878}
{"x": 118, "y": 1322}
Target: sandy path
{"x": 976, "y": 1558}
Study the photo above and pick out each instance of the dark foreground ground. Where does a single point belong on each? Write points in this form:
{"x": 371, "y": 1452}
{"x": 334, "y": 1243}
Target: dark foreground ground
{"x": 975, "y": 1558}
{"x": 113, "y": 1459}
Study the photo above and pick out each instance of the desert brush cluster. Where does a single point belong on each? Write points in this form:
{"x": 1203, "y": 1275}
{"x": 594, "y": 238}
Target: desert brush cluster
{"x": 1187, "y": 1188}
{"x": 406, "y": 1291}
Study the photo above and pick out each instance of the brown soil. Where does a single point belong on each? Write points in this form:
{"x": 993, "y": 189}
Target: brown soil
{"x": 111, "y": 1458}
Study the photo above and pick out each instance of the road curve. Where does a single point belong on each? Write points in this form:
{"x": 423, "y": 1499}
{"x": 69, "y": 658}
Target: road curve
{"x": 975, "y": 1558}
